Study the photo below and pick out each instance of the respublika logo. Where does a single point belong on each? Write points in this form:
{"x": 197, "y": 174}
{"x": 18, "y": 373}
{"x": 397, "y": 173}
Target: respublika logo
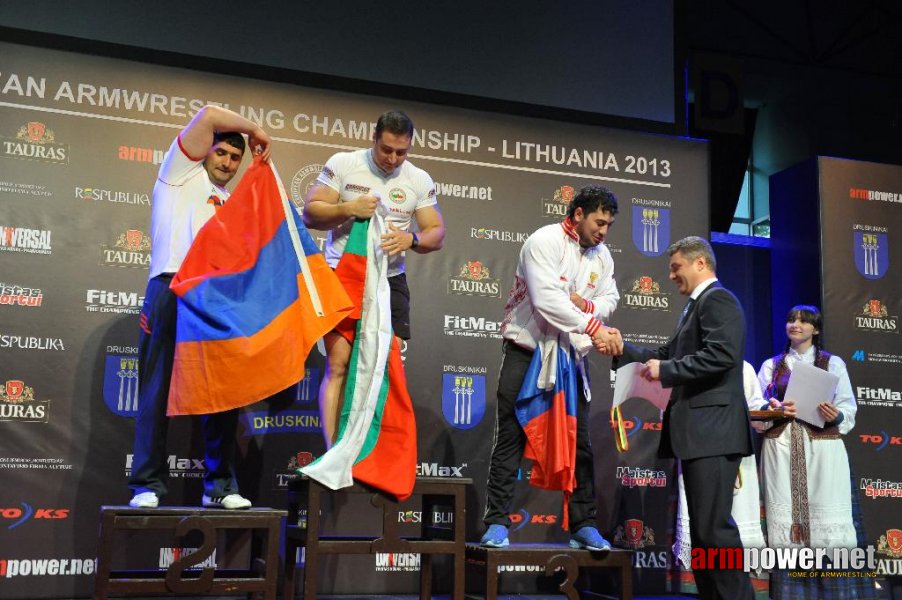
{"x": 870, "y": 246}
{"x": 557, "y": 206}
{"x": 14, "y": 516}
{"x": 131, "y": 249}
{"x": 303, "y": 180}
{"x": 874, "y": 316}
{"x": 498, "y": 235}
{"x": 645, "y": 294}
{"x": 120, "y": 384}
{"x": 463, "y": 399}
{"x": 474, "y": 279}
{"x": 633, "y": 534}
{"x": 115, "y": 196}
{"x": 18, "y": 403}
{"x": 17, "y": 295}
{"x": 651, "y": 230}
{"x": 23, "y": 239}
{"x": 35, "y": 141}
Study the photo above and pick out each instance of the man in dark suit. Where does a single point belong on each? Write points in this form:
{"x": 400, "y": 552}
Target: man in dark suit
{"x": 706, "y": 423}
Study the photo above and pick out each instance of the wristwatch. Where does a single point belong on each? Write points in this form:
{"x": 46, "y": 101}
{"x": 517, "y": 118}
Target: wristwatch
{"x": 415, "y": 241}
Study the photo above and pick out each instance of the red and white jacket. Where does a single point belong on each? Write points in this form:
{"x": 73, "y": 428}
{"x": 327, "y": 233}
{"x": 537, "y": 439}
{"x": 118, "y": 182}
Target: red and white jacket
{"x": 552, "y": 266}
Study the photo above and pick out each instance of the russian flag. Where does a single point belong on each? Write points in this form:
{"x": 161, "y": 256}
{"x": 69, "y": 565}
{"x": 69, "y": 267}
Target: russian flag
{"x": 255, "y": 294}
{"x": 548, "y": 418}
{"x": 377, "y": 434}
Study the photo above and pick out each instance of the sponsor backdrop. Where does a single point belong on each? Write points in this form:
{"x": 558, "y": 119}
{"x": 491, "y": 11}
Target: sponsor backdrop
{"x": 855, "y": 280}
{"x": 81, "y": 140}
{"x": 861, "y": 209}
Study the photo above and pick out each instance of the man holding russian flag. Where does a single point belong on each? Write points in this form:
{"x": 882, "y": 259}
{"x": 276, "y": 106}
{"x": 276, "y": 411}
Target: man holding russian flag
{"x": 190, "y": 188}
{"x": 563, "y": 292}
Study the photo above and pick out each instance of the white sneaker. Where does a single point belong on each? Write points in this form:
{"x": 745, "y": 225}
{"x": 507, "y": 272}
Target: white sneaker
{"x": 144, "y": 500}
{"x": 230, "y": 502}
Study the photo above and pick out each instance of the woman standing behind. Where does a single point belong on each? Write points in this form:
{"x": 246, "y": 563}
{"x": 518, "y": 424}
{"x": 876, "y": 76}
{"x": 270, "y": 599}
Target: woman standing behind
{"x": 807, "y": 483}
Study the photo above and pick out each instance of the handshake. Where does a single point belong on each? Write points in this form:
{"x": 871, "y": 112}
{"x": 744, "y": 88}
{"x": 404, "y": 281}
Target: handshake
{"x": 607, "y": 340}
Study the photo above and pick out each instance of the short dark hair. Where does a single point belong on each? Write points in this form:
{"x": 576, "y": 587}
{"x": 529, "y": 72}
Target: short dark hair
{"x": 396, "y": 122}
{"x": 233, "y": 138}
{"x": 807, "y": 313}
{"x": 692, "y": 247}
{"x": 591, "y": 198}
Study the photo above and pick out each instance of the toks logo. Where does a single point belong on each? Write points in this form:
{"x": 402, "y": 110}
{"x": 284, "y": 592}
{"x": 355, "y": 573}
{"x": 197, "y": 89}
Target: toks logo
{"x": 559, "y": 204}
{"x": 646, "y": 294}
{"x": 17, "y": 516}
{"x": 633, "y": 534}
{"x": 35, "y": 141}
{"x": 874, "y": 316}
{"x": 522, "y": 518}
{"x": 131, "y": 249}
{"x": 18, "y": 403}
{"x": 474, "y": 279}
{"x": 633, "y": 425}
{"x": 881, "y": 440}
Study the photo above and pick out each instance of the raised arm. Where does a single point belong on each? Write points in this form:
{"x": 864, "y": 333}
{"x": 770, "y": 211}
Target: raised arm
{"x": 197, "y": 136}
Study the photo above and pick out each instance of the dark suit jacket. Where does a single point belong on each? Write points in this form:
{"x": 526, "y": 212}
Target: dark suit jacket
{"x": 707, "y": 414}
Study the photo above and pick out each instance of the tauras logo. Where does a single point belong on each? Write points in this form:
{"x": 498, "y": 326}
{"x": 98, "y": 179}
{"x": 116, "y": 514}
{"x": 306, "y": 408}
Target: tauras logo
{"x": 874, "y": 316}
{"x": 474, "y": 279}
{"x": 35, "y": 141}
{"x": 646, "y": 293}
{"x": 131, "y": 249}
{"x": 17, "y": 403}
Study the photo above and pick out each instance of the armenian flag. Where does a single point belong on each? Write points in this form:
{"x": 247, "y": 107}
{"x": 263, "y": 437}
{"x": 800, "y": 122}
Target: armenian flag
{"x": 255, "y": 294}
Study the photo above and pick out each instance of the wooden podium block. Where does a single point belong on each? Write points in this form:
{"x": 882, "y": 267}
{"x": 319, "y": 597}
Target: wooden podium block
{"x": 303, "y": 530}
{"x": 554, "y": 557}
{"x": 264, "y": 524}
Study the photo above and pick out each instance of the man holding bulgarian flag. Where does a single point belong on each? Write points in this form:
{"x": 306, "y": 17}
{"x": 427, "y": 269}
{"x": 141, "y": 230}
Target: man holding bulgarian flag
{"x": 368, "y": 248}
{"x": 563, "y": 292}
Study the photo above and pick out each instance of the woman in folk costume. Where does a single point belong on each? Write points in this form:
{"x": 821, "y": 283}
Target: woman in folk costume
{"x": 808, "y": 489}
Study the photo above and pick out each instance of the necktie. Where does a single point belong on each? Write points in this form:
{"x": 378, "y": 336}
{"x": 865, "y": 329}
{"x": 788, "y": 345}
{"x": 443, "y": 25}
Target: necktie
{"x": 685, "y": 312}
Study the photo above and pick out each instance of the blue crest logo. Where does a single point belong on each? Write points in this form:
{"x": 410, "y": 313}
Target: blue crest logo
{"x": 307, "y": 389}
{"x": 871, "y": 253}
{"x": 120, "y": 384}
{"x": 651, "y": 230}
{"x": 463, "y": 399}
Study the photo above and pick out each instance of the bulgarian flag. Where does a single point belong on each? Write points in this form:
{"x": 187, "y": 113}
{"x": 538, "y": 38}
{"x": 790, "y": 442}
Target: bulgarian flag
{"x": 254, "y": 296}
{"x": 377, "y": 437}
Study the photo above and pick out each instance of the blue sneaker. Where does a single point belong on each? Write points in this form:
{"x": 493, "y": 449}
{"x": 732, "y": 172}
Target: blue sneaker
{"x": 495, "y": 537}
{"x": 590, "y": 539}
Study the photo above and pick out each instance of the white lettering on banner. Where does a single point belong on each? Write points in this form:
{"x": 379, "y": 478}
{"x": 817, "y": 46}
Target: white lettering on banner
{"x": 456, "y": 190}
{"x": 38, "y": 567}
{"x": 34, "y": 88}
